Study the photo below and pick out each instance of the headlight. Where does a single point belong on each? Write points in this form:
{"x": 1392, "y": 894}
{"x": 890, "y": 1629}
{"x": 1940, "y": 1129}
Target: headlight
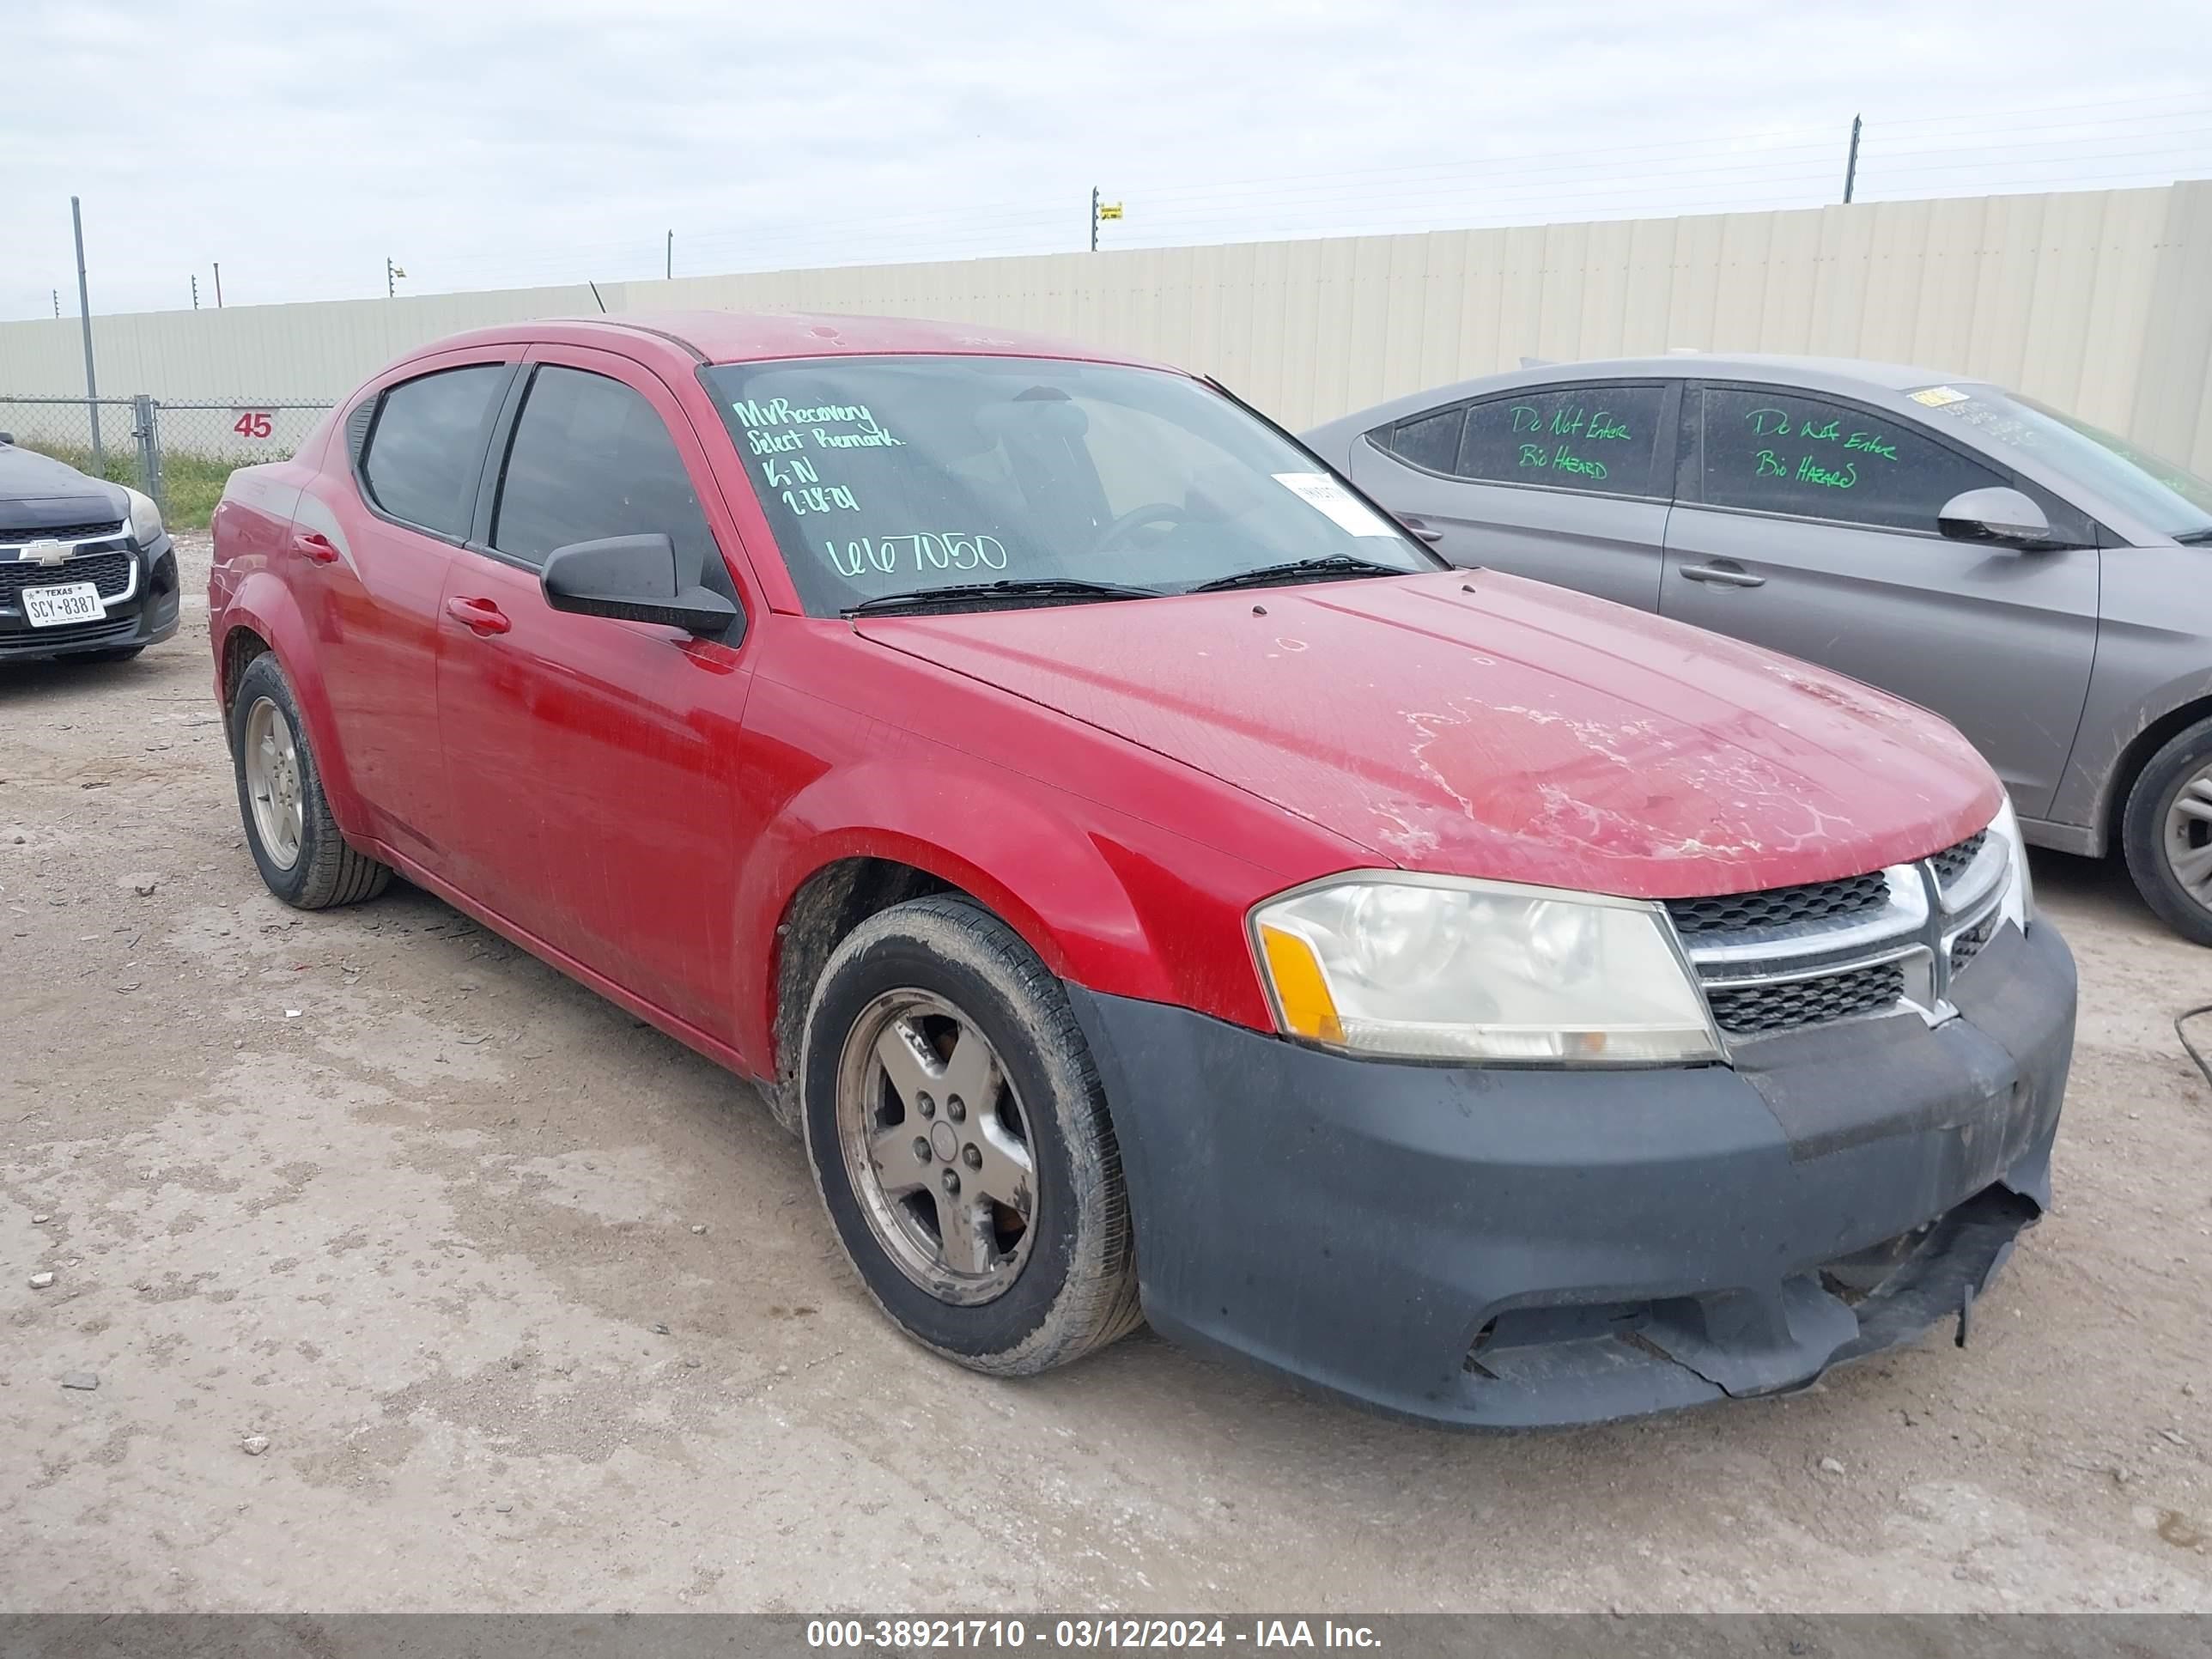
{"x": 2019, "y": 893}
{"x": 1439, "y": 968}
{"x": 145, "y": 517}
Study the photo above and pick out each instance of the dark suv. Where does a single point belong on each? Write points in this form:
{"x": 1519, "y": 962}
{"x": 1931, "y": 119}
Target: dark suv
{"x": 86, "y": 567}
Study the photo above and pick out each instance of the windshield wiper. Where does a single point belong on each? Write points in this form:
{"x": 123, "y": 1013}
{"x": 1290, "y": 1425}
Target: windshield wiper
{"x": 1336, "y": 564}
{"x": 1033, "y": 587}
{"x": 2196, "y": 537}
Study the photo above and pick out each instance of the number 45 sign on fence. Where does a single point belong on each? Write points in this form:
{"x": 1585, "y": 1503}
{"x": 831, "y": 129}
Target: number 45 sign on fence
{"x": 251, "y": 422}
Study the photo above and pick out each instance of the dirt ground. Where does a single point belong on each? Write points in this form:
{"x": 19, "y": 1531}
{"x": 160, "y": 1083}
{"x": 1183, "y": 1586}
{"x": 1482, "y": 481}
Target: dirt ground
{"x": 415, "y": 1277}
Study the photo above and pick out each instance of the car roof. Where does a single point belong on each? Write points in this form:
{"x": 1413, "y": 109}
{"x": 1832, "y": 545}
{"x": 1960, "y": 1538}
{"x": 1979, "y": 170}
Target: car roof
{"x": 1877, "y": 382}
{"x": 737, "y": 337}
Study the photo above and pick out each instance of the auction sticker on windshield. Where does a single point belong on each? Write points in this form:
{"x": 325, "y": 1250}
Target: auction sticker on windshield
{"x": 1327, "y": 496}
{"x": 57, "y": 607}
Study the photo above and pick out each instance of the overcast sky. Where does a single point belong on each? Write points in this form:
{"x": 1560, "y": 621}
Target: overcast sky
{"x": 484, "y": 145}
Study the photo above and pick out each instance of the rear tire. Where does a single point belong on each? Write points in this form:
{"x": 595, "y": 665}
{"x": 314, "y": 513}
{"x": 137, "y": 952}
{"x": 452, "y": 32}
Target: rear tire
{"x": 2166, "y": 832}
{"x": 295, "y": 841}
{"x": 993, "y": 1229}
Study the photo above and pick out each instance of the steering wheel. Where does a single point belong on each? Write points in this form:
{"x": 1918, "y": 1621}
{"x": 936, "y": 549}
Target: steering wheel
{"x": 1150, "y": 512}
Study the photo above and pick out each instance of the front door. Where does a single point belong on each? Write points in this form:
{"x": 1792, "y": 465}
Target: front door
{"x": 1813, "y": 532}
{"x": 1566, "y": 483}
{"x": 592, "y": 763}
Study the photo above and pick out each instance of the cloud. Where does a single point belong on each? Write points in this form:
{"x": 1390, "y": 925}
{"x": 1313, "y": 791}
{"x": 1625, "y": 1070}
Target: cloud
{"x": 484, "y": 144}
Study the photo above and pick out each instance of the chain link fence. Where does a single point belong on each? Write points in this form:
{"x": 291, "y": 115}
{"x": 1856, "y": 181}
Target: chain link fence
{"x": 180, "y": 452}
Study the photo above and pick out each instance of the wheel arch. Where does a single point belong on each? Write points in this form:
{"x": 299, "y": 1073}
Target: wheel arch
{"x": 2138, "y": 754}
{"x": 264, "y": 619}
{"x": 857, "y": 842}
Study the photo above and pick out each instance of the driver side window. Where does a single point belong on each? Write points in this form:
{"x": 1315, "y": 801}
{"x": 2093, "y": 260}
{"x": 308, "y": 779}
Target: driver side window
{"x": 1771, "y": 449}
{"x": 590, "y": 458}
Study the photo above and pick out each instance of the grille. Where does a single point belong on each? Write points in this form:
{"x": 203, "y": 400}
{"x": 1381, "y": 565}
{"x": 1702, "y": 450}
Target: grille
{"x": 1754, "y": 1010}
{"x": 1951, "y": 863}
{"x": 1777, "y": 907}
{"x": 58, "y": 533}
{"x": 1968, "y": 944}
{"x": 33, "y": 641}
{"x": 109, "y": 572}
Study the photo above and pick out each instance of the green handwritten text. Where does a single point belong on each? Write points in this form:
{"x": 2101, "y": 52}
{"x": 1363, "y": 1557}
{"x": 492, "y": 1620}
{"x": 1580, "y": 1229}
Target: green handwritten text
{"x": 1769, "y": 467}
{"x": 1812, "y": 472}
{"x": 1873, "y": 443}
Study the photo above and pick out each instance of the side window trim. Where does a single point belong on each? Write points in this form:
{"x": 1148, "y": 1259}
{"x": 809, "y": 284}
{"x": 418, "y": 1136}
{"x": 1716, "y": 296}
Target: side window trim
{"x": 358, "y": 461}
{"x": 1690, "y": 477}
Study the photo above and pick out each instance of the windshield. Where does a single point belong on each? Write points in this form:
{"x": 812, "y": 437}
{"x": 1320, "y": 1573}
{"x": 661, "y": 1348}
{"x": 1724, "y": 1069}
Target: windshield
{"x": 894, "y": 476}
{"x": 2169, "y": 497}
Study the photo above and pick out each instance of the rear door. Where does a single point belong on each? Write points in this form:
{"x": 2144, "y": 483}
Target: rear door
{"x": 594, "y": 763}
{"x": 1809, "y": 524}
{"x": 1567, "y": 482}
{"x": 370, "y": 541}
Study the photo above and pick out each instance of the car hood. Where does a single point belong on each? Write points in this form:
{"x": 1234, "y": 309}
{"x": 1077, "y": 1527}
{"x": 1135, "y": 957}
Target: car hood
{"x": 1472, "y": 723}
{"x": 37, "y": 491}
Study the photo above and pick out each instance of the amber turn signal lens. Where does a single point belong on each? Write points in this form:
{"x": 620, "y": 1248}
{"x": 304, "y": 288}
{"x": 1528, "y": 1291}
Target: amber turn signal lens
{"x": 1308, "y": 1010}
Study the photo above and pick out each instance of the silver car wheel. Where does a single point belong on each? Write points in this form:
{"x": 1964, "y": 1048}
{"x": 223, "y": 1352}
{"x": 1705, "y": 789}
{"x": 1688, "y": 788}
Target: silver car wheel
{"x": 273, "y": 783}
{"x": 936, "y": 1147}
{"x": 2189, "y": 836}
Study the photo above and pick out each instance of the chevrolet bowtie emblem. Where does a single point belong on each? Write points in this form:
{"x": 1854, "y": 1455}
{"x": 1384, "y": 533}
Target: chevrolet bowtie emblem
{"x": 45, "y": 553}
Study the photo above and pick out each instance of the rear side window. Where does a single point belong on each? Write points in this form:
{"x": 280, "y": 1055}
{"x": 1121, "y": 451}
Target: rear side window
{"x": 1776, "y": 452}
{"x": 1428, "y": 441}
{"x": 590, "y": 458}
{"x": 422, "y": 454}
{"x": 1597, "y": 439}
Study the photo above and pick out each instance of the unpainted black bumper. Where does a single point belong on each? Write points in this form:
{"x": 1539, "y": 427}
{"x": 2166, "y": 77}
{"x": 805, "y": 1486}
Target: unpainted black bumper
{"x": 1515, "y": 1248}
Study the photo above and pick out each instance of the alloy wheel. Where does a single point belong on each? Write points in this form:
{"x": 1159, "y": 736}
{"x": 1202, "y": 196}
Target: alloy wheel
{"x": 936, "y": 1145}
{"x": 2188, "y": 837}
{"x": 273, "y": 783}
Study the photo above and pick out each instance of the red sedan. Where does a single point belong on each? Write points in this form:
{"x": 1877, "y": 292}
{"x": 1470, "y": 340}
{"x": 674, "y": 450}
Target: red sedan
{"x": 1153, "y": 883}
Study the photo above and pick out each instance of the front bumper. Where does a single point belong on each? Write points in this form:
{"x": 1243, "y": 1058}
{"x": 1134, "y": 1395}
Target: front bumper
{"x": 1508, "y": 1249}
{"x": 144, "y": 613}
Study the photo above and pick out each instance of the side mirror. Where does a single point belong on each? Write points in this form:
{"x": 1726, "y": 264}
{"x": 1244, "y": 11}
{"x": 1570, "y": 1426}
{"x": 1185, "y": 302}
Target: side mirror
{"x": 1999, "y": 515}
{"x": 7, "y": 437}
{"x": 634, "y": 578}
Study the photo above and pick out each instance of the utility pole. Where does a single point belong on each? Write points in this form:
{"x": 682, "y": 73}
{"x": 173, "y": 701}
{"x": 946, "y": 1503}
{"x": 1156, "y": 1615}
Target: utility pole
{"x": 84, "y": 310}
{"x": 218, "y": 285}
{"x": 391, "y": 274}
{"x": 57, "y": 303}
{"x": 1851, "y": 166}
{"x": 1094, "y": 218}
{"x": 195, "y": 290}
{"x": 668, "y": 271}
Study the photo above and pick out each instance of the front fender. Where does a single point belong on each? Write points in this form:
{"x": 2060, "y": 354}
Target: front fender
{"x": 263, "y": 603}
{"x": 2094, "y": 770}
{"x": 1090, "y": 894}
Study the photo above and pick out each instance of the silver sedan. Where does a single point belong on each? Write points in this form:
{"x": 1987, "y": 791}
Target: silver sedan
{"x": 2046, "y": 585}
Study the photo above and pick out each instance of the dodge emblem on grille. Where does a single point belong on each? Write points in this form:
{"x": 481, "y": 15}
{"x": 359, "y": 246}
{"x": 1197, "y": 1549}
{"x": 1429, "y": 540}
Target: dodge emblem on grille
{"x": 47, "y": 553}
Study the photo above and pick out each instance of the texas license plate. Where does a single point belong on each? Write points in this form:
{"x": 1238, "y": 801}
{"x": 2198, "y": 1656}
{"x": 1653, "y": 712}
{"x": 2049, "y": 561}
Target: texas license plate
{"x": 57, "y": 607}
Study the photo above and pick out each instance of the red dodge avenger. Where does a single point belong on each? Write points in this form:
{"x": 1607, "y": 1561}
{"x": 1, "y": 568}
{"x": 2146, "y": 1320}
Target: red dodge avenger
{"x": 1154, "y": 887}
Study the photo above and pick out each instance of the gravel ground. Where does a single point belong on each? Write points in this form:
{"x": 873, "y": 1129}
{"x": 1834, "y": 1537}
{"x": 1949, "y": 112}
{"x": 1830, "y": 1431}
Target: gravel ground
{"x": 415, "y": 1277}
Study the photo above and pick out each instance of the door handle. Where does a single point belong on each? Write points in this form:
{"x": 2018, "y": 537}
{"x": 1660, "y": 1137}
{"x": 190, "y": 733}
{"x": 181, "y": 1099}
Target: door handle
{"x": 1723, "y": 575}
{"x": 1421, "y": 532}
{"x": 314, "y": 545}
{"x": 482, "y": 616}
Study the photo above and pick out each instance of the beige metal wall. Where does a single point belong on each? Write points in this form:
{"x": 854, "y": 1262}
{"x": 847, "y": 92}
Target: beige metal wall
{"x": 2099, "y": 302}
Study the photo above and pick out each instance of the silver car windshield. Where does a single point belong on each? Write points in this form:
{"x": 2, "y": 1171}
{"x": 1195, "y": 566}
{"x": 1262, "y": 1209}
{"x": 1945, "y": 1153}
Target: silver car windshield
{"x": 2163, "y": 493}
{"x": 884, "y": 477}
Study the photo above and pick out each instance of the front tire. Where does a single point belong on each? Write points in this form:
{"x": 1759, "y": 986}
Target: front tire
{"x": 960, "y": 1142}
{"x": 2166, "y": 832}
{"x": 302, "y": 858}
